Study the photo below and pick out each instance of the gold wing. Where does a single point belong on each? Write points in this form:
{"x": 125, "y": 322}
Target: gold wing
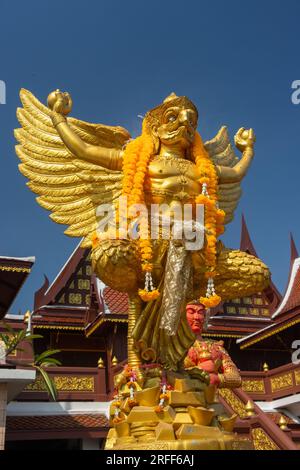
{"x": 70, "y": 188}
{"x": 222, "y": 153}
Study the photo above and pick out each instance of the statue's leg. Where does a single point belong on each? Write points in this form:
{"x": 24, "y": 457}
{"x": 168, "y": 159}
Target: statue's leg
{"x": 117, "y": 264}
{"x": 238, "y": 274}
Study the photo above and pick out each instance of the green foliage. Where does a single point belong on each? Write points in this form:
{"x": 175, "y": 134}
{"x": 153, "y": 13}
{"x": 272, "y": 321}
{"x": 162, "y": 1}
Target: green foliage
{"x": 49, "y": 383}
{"x": 42, "y": 358}
{"x": 12, "y": 339}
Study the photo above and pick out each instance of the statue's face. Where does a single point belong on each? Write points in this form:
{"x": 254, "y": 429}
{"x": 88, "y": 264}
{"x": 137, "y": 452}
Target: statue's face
{"x": 195, "y": 315}
{"x": 177, "y": 126}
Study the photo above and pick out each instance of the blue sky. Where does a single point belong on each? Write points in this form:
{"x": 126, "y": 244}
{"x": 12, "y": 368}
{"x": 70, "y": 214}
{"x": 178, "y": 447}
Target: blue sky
{"x": 118, "y": 59}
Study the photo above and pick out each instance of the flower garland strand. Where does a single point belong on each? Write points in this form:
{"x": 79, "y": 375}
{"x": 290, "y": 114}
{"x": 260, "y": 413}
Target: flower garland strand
{"x": 214, "y": 217}
{"x": 132, "y": 384}
{"x": 164, "y": 396}
{"x": 135, "y": 167}
{"x": 117, "y": 414}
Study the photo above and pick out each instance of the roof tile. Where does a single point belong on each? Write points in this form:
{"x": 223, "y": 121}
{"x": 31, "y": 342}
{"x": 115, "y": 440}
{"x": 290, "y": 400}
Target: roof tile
{"x": 56, "y": 422}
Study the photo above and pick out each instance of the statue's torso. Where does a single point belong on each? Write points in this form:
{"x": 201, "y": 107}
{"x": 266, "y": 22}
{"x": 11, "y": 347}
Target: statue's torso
{"x": 173, "y": 178}
{"x": 207, "y": 355}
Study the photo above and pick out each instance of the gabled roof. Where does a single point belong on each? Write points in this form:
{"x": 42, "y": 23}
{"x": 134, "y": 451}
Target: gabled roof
{"x": 241, "y": 316}
{"x": 246, "y": 245}
{"x": 287, "y": 313}
{"x": 291, "y": 297}
{"x": 13, "y": 273}
{"x": 76, "y": 299}
{"x": 69, "y": 298}
{"x": 47, "y": 294}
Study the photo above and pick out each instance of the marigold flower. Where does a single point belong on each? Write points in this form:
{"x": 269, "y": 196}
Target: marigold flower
{"x": 118, "y": 419}
{"x": 132, "y": 402}
{"x": 164, "y": 396}
{"x": 210, "y": 302}
{"x": 159, "y": 409}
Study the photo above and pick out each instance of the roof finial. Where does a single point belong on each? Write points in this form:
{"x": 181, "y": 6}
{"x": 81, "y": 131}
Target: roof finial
{"x": 294, "y": 251}
{"x": 246, "y": 242}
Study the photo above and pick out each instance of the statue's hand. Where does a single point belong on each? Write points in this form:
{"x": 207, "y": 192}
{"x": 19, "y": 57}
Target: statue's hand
{"x": 60, "y": 102}
{"x": 199, "y": 374}
{"x": 244, "y": 138}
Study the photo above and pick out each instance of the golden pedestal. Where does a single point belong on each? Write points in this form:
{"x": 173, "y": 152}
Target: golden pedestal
{"x": 188, "y": 422}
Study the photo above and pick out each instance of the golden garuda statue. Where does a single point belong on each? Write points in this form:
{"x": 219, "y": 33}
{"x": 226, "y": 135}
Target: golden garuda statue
{"x": 76, "y": 167}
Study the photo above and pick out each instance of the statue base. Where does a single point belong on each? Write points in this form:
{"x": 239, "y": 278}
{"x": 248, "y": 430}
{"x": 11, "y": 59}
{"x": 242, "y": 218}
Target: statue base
{"x": 192, "y": 420}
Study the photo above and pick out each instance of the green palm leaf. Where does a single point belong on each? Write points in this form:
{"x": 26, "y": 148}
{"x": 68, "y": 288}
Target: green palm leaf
{"x": 38, "y": 359}
{"x": 49, "y": 383}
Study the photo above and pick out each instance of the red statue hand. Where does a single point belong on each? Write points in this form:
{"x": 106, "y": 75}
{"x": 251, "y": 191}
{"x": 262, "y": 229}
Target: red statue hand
{"x": 208, "y": 366}
{"x": 214, "y": 379}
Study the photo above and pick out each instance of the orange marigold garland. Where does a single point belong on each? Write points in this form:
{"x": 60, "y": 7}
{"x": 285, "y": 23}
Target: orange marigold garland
{"x": 117, "y": 414}
{"x": 163, "y": 397}
{"x": 132, "y": 385}
{"x": 135, "y": 167}
{"x": 214, "y": 217}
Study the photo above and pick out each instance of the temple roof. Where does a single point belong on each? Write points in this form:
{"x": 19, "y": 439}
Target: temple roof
{"x": 13, "y": 273}
{"x": 76, "y": 299}
{"x": 117, "y": 302}
{"x": 282, "y": 324}
{"x": 243, "y": 316}
{"x": 291, "y": 297}
{"x": 247, "y": 245}
{"x": 47, "y": 426}
{"x": 287, "y": 313}
{"x": 48, "y": 294}
{"x": 246, "y": 242}
{"x": 294, "y": 251}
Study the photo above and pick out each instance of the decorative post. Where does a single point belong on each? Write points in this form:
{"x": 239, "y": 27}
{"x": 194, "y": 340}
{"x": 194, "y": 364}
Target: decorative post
{"x": 266, "y": 367}
{"x": 134, "y": 310}
{"x": 250, "y": 410}
{"x": 114, "y": 361}
{"x": 100, "y": 363}
{"x": 283, "y": 423}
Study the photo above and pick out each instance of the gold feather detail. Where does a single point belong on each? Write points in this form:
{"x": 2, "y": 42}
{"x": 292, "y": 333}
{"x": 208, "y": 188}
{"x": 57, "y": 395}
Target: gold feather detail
{"x": 71, "y": 189}
{"x": 222, "y": 153}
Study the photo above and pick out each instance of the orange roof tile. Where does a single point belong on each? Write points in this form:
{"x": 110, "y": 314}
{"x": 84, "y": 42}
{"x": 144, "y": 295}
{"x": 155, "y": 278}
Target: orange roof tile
{"x": 56, "y": 422}
{"x": 117, "y": 302}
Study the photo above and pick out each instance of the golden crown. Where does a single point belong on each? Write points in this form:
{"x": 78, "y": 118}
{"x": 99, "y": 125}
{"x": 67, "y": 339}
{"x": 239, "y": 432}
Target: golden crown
{"x": 154, "y": 115}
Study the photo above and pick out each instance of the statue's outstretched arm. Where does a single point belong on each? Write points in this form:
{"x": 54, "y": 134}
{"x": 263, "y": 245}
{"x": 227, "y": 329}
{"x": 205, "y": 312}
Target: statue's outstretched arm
{"x": 106, "y": 157}
{"x": 244, "y": 141}
{"x": 231, "y": 377}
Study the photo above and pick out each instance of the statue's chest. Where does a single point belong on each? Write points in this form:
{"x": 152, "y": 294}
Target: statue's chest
{"x": 160, "y": 168}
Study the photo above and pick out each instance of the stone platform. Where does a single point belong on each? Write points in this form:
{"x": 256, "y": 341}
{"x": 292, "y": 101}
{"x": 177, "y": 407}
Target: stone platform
{"x": 192, "y": 420}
